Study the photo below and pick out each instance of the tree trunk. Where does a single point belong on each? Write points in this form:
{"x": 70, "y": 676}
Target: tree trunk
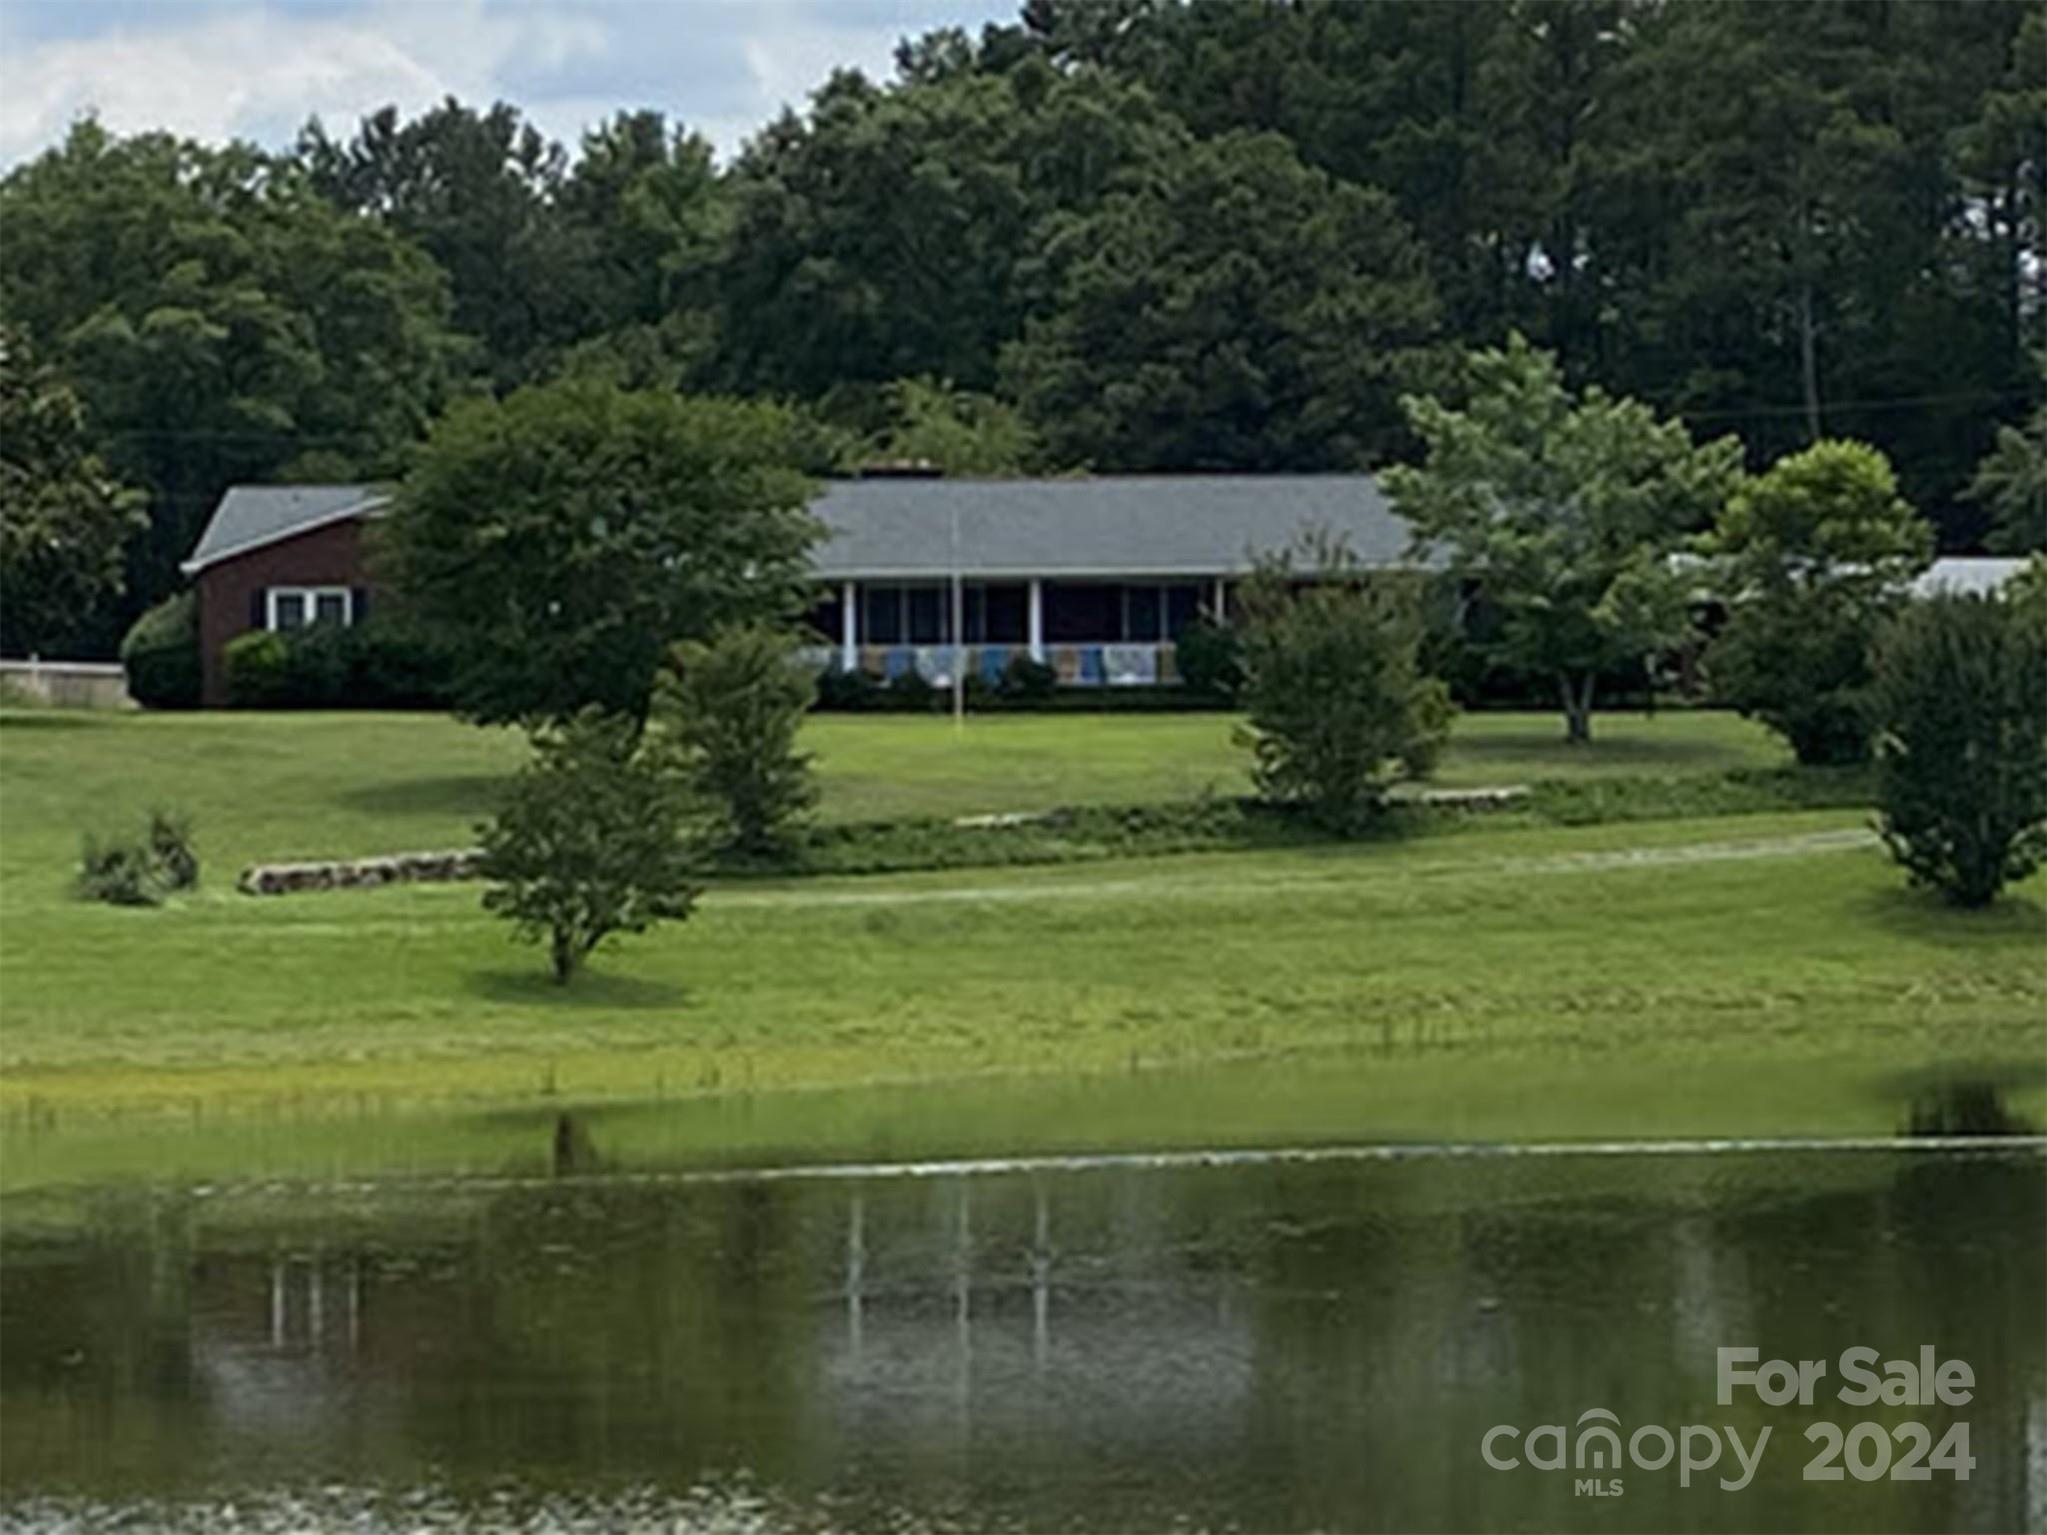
{"x": 563, "y": 953}
{"x": 1577, "y": 708}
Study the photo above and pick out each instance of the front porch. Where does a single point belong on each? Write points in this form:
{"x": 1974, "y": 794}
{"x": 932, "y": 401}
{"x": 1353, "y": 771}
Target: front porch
{"x": 1092, "y": 633}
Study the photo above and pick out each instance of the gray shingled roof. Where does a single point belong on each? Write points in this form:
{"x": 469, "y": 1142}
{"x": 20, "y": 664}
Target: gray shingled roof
{"x": 1182, "y": 525}
{"x": 1165, "y": 525}
{"x": 250, "y": 516}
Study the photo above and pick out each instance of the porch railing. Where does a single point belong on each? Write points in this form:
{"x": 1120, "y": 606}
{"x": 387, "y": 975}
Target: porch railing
{"x": 1108, "y": 664}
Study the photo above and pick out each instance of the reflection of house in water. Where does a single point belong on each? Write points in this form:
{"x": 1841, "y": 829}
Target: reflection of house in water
{"x": 1009, "y": 1336}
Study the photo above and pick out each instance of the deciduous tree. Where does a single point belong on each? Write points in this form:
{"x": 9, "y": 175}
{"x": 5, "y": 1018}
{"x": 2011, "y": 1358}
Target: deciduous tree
{"x": 1566, "y": 510}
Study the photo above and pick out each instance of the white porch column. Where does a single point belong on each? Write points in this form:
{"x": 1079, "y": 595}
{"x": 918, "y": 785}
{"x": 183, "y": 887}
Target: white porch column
{"x": 1220, "y": 596}
{"x": 849, "y": 626}
{"x": 1037, "y": 630}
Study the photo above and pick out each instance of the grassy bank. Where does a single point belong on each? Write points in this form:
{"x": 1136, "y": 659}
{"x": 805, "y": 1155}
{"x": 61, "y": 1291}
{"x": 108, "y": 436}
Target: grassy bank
{"x": 1718, "y": 971}
{"x": 280, "y": 786}
{"x": 1669, "y": 941}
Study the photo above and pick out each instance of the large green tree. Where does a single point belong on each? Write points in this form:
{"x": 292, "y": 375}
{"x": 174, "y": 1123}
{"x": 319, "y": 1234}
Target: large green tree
{"x": 563, "y": 539}
{"x": 882, "y": 236}
{"x": 221, "y": 323}
{"x": 1816, "y": 552}
{"x": 64, "y": 519}
{"x": 1566, "y": 511}
{"x": 1234, "y": 310}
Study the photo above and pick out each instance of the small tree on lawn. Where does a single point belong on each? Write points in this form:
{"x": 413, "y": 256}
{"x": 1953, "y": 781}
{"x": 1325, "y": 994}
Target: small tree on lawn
{"x": 1961, "y": 709}
{"x": 730, "y": 711}
{"x": 1816, "y": 551}
{"x": 1338, "y": 707}
{"x": 1566, "y": 512}
{"x": 590, "y": 841}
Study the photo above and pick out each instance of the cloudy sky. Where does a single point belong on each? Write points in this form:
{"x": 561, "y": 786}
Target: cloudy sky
{"x": 256, "y": 69}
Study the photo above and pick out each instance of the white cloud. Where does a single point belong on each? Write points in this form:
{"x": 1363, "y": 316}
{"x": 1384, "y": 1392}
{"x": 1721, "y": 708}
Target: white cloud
{"x": 259, "y": 73}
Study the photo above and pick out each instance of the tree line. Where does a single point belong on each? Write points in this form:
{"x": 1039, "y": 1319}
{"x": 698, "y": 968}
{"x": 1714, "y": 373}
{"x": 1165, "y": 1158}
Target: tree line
{"x": 1112, "y": 234}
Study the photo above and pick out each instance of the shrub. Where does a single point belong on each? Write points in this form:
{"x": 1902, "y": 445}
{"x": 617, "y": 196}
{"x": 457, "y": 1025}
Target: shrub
{"x": 140, "y": 873}
{"x": 384, "y": 664}
{"x": 119, "y": 873}
{"x": 1961, "y": 710}
{"x": 1210, "y": 658}
{"x": 912, "y": 692}
{"x": 589, "y": 842}
{"x": 1026, "y": 680}
{"x": 258, "y": 671}
{"x": 852, "y": 692}
{"x": 1338, "y": 706}
{"x": 730, "y": 710}
{"x": 1800, "y": 664}
{"x": 171, "y": 850}
{"x": 161, "y": 655}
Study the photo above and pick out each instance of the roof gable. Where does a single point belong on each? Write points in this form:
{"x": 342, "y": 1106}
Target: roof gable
{"x": 250, "y": 517}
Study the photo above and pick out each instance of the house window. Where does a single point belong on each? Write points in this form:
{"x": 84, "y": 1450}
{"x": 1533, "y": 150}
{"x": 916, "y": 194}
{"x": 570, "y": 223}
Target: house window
{"x": 299, "y": 607}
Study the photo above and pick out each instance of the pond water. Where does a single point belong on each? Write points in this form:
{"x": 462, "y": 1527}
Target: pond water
{"x": 1254, "y": 1345}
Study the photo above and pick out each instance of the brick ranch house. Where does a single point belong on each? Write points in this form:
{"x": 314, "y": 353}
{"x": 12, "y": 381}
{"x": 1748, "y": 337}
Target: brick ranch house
{"x": 1096, "y": 577}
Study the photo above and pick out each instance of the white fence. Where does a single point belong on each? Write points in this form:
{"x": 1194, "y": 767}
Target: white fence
{"x": 69, "y": 684}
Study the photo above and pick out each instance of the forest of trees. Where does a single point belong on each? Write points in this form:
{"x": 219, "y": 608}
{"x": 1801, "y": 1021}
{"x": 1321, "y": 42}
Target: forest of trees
{"x": 1115, "y": 234}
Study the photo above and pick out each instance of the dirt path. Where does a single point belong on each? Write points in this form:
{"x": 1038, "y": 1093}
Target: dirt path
{"x": 1172, "y": 884}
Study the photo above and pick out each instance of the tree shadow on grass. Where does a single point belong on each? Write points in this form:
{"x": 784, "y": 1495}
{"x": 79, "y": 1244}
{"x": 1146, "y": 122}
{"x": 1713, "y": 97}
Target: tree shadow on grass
{"x": 466, "y": 794}
{"x": 47, "y": 719}
{"x": 590, "y": 989}
{"x": 1610, "y": 751}
{"x": 1913, "y": 911}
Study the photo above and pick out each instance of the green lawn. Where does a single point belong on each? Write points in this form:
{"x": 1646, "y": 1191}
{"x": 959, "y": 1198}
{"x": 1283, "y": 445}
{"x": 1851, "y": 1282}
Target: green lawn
{"x": 1761, "y": 974}
{"x": 281, "y": 786}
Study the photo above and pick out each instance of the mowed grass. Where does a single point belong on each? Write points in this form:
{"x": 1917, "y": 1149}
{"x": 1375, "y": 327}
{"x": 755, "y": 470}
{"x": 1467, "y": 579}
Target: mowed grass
{"x": 284, "y": 786}
{"x": 1756, "y": 974}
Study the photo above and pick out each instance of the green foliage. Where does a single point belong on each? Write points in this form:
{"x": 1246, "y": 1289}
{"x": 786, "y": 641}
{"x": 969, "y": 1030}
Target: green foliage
{"x": 1800, "y": 663}
{"x": 220, "y": 320}
{"x": 562, "y": 539}
{"x": 1565, "y": 510}
{"x": 1210, "y": 659}
{"x": 1337, "y": 707}
{"x": 590, "y": 841}
{"x": 1815, "y": 553}
{"x": 1961, "y": 707}
{"x": 2012, "y": 481}
{"x": 161, "y": 655}
{"x": 140, "y": 872}
{"x": 386, "y": 663}
{"x": 730, "y": 710}
{"x": 118, "y": 873}
{"x": 259, "y": 671}
{"x": 850, "y": 692}
{"x": 170, "y": 848}
{"x": 1029, "y": 681}
{"x": 65, "y": 521}
{"x": 1233, "y": 309}
{"x": 954, "y": 430}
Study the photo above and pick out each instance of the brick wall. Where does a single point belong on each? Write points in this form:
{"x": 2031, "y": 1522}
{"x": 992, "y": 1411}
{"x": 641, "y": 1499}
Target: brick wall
{"x": 231, "y": 592}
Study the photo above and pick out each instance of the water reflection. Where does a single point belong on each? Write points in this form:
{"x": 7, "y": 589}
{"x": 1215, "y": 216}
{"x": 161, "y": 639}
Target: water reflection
{"x": 1264, "y": 1347}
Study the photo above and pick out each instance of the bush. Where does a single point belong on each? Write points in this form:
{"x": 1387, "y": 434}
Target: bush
{"x": 384, "y": 664}
{"x": 1799, "y": 663}
{"x": 119, "y": 873}
{"x": 1025, "y": 680}
{"x": 1961, "y": 710}
{"x": 1211, "y": 660}
{"x": 730, "y": 710}
{"x": 171, "y": 850}
{"x": 911, "y": 691}
{"x": 589, "y": 842}
{"x": 1338, "y": 706}
{"x": 854, "y": 692}
{"x": 258, "y": 671}
{"x": 140, "y": 873}
{"x": 161, "y": 655}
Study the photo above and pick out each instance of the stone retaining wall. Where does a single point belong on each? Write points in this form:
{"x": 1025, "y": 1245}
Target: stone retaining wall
{"x": 360, "y": 873}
